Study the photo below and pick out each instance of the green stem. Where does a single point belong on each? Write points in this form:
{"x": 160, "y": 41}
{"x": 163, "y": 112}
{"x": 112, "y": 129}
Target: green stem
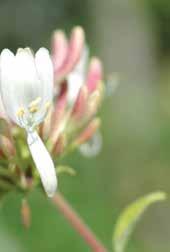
{"x": 78, "y": 224}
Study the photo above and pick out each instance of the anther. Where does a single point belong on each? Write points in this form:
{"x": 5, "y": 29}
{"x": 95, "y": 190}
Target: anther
{"x": 34, "y": 105}
{"x": 35, "y": 102}
{"x": 20, "y": 113}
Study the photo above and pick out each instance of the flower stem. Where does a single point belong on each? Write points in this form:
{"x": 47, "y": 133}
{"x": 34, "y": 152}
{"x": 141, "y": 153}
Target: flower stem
{"x": 77, "y": 223}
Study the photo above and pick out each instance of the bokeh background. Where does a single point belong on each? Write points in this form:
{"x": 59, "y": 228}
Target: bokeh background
{"x": 133, "y": 39}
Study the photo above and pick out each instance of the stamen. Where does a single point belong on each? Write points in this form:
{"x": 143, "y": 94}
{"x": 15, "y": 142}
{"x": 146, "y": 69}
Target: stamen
{"x": 33, "y": 109}
{"x": 27, "y": 117}
{"x": 20, "y": 113}
{"x": 35, "y": 102}
{"x": 34, "y": 105}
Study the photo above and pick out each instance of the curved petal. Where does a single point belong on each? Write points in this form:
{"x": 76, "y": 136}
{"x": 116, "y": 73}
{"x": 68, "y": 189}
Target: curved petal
{"x": 8, "y": 91}
{"x": 43, "y": 163}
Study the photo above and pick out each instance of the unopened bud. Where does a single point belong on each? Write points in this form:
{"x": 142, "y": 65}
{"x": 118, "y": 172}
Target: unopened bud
{"x": 80, "y": 104}
{"x": 25, "y": 214}
{"x": 59, "y": 112}
{"x": 59, "y": 50}
{"x": 75, "y": 47}
{"x": 7, "y": 146}
{"x": 94, "y": 101}
{"x": 88, "y": 132}
{"x": 59, "y": 145}
{"x": 95, "y": 74}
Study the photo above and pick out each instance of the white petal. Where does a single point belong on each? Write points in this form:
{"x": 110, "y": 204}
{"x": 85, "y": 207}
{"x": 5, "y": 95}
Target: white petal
{"x": 43, "y": 163}
{"x": 2, "y": 110}
{"x": 25, "y": 66}
{"x": 7, "y": 61}
{"x": 8, "y": 91}
{"x": 45, "y": 71}
{"x": 19, "y": 81}
{"x": 27, "y": 81}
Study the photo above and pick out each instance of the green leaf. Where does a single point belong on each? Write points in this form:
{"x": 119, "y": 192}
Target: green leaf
{"x": 66, "y": 169}
{"x": 127, "y": 220}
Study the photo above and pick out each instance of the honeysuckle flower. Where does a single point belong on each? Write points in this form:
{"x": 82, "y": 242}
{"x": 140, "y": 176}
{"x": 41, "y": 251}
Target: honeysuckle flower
{"x": 71, "y": 122}
{"x": 27, "y": 92}
{"x": 66, "y": 53}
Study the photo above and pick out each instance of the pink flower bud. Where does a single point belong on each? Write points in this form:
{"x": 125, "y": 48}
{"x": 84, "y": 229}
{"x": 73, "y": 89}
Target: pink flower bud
{"x": 88, "y": 132}
{"x": 25, "y": 214}
{"x": 95, "y": 74}
{"x": 7, "y": 146}
{"x": 55, "y": 115}
{"x": 94, "y": 102}
{"x": 59, "y": 111}
{"x": 75, "y": 47}
{"x": 59, "y": 146}
{"x": 59, "y": 50}
{"x": 6, "y": 139}
{"x": 80, "y": 104}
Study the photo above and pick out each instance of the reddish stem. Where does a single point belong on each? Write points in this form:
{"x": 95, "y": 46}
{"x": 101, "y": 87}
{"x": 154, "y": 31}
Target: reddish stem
{"x": 78, "y": 224}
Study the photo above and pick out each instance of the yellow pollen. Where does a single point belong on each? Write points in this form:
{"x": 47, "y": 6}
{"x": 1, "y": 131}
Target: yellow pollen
{"x": 33, "y": 109}
{"x": 36, "y": 102}
{"x": 33, "y": 106}
{"x": 20, "y": 112}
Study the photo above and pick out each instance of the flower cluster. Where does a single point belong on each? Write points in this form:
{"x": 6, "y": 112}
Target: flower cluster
{"x": 51, "y": 100}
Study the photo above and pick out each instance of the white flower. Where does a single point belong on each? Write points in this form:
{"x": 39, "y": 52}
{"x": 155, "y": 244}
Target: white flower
{"x": 76, "y": 79}
{"x": 2, "y": 110}
{"x": 27, "y": 91}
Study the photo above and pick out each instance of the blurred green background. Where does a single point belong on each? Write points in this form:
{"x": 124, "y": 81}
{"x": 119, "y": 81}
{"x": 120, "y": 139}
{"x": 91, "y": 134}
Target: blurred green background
{"x": 133, "y": 39}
